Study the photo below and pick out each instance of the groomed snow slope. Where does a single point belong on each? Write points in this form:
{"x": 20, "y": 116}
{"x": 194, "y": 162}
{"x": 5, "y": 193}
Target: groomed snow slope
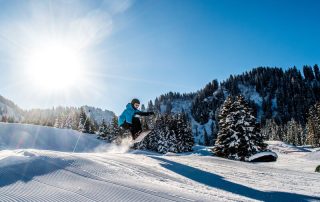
{"x": 22, "y": 136}
{"x": 111, "y": 175}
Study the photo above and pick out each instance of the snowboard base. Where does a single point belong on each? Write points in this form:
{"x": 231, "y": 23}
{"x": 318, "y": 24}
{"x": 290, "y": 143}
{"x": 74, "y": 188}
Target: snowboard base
{"x": 142, "y": 136}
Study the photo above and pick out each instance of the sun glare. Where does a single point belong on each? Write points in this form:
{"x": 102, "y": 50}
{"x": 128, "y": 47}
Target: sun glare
{"x": 54, "y": 66}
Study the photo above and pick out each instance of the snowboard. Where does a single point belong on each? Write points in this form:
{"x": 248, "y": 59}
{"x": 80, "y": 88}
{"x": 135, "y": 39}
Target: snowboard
{"x": 141, "y": 136}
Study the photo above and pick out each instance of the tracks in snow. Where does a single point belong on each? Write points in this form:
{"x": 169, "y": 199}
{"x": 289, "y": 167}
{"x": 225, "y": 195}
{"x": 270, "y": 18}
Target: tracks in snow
{"x": 71, "y": 178}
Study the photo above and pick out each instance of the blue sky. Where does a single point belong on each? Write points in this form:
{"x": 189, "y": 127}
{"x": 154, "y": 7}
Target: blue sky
{"x": 144, "y": 48}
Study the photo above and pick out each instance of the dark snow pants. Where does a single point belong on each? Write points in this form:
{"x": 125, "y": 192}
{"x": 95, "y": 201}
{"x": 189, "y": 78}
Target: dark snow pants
{"x": 134, "y": 128}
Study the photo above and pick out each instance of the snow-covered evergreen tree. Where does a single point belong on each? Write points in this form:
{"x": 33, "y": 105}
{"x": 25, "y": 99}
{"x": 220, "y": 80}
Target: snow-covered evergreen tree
{"x": 206, "y": 137}
{"x": 224, "y": 133}
{"x": 84, "y": 123}
{"x": 170, "y": 134}
{"x": 183, "y": 133}
{"x": 57, "y": 123}
{"x": 313, "y": 125}
{"x": 103, "y": 130}
{"x": 239, "y": 136}
{"x": 83, "y": 119}
{"x": 114, "y": 132}
{"x": 272, "y": 131}
{"x": 295, "y": 134}
{"x": 68, "y": 121}
{"x": 166, "y": 137}
{"x": 144, "y": 119}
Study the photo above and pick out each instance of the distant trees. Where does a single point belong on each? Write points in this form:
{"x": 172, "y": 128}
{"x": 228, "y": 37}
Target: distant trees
{"x": 294, "y": 133}
{"x": 272, "y": 131}
{"x": 81, "y": 119}
{"x": 206, "y": 102}
{"x": 308, "y": 73}
{"x": 316, "y": 72}
{"x": 276, "y": 97}
{"x": 59, "y": 117}
{"x": 164, "y": 103}
{"x": 7, "y": 119}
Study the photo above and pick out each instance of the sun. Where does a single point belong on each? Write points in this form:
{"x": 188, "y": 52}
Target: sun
{"x": 54, "y": 66}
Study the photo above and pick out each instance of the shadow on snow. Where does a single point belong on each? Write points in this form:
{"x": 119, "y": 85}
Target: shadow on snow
{"x": 25, "y": 172}
{"x": 219, "y": 182}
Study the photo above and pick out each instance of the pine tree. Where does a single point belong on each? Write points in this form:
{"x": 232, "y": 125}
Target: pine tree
{"x": 239, "y": 136}
{"x": 313, "y": 125}
{"x": 183, "y": 133}
{"x": 84, "y": 123}
{"x": 308, "y": 73}
{"x": 272, "y": 131}
{"x": 267, "y": 130}
{"x": 143, "y": 108}
{"x": 214, "y": 133}
{"x": 144, "y": 119}
{"x": 316, "y": 72}
{"x": 295, "y": 133}
{"x": 88, "y": 126}
{"x": 57, "y": 123}
{"x": 168, "y": 108}
{"x": 68, "y": 121}
{"x": 167, "y": 138}
{"x": 103, "y": 130}
{"x": 205, "y": 137}
{"x": 224, "y": 125}
{"x": 83, "y": 119}
{"x": 4, "y": 118}
{"x": 170, "y": 134}
{"x": 151, "y": 120}
{"x": 114, "y": 132}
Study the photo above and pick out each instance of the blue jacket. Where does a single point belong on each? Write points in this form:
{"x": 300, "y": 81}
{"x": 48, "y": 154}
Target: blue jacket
{"x": 127, "y": 114}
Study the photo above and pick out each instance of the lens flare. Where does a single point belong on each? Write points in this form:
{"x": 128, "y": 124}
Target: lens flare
{"x": 54, "y": 66}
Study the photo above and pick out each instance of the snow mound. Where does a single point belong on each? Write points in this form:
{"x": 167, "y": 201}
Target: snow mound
{"x": 284, "y": 148}
{"x": 23, "y": 136}
{"x": 9, "y": 157}
{"x": 263, "y": 157}
{"x": 199, "y": 150}
{"x": 313, "y": 156}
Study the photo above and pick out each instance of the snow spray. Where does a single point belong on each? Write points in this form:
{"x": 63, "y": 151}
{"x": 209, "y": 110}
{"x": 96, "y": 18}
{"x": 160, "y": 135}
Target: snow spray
{"x": 123, "y": 147}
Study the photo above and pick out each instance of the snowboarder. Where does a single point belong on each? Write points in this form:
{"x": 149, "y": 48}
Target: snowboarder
{"x": 128, "y": 119}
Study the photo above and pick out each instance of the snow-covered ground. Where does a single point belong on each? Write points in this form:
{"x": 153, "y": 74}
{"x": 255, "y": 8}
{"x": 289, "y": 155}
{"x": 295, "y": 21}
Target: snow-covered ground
{"x": 49, "y": 172}
{"x": 21, "y": 136}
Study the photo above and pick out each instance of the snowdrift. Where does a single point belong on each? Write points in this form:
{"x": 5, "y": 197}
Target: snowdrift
{"x": 23, "y": 136}
{"x": 285, "y": 148}
{"x": 313, "y": 156}
{"x": 263, "y": 157}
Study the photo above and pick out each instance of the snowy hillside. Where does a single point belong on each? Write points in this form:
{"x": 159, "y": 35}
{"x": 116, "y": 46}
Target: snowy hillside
{"x": 112, "y": 173}
{"x": 19, "y": 136}
{"x": 177, "y": 106}
{"x": 98, "y": 114}
{"x": 8, "y": 110}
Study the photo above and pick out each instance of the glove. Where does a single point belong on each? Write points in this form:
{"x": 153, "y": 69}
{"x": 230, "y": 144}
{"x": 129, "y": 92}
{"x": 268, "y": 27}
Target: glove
{"x": 151, "y": 113}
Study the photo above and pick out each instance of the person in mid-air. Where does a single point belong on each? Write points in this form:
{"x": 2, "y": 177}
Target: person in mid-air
{"x": 128, "y": 119}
